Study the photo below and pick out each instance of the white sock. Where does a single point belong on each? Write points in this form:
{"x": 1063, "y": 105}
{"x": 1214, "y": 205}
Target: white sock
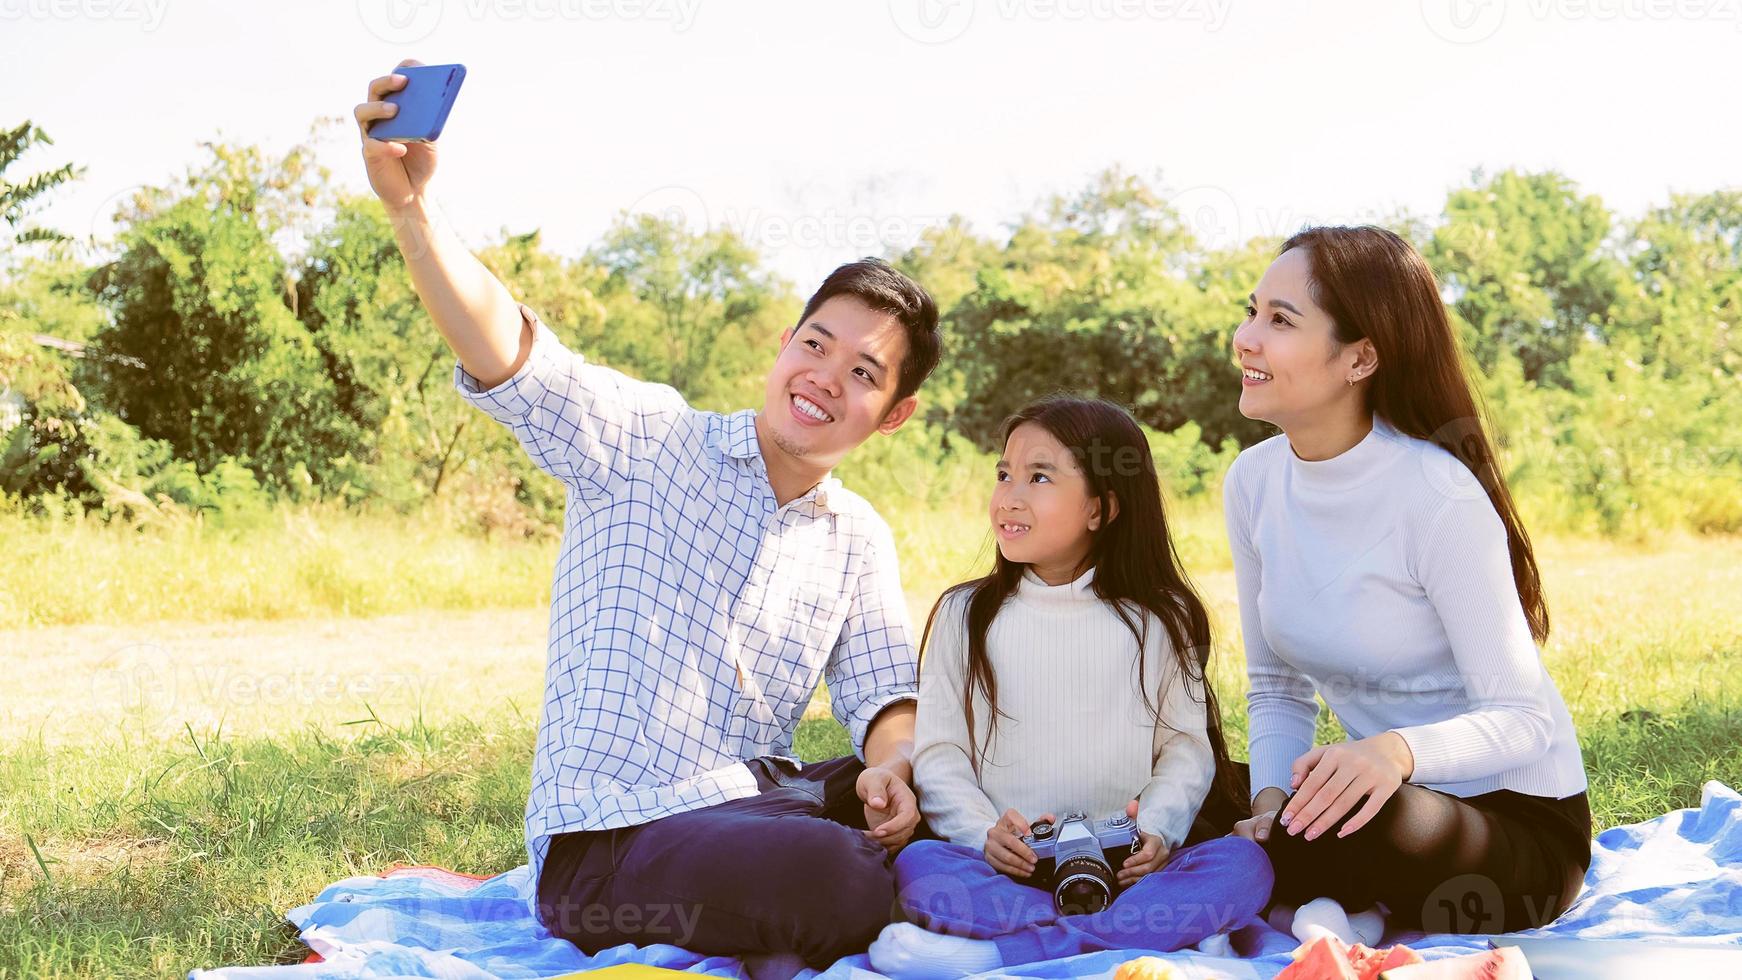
{"x": 1217, "y": 945}
{"x": 1369, "y": 926}
{"x": 1323, "y": 916}
{"x": 908, "y": 952}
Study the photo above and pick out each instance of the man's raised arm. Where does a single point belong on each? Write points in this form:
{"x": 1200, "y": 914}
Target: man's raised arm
{"x": 473, "y": 310}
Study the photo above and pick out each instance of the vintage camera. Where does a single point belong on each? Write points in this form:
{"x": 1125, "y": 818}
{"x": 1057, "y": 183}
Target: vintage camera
{"x": 1078, "y": 859}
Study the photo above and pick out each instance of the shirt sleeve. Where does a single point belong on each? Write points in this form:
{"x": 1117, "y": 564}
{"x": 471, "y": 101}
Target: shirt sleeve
{"x": 875, "y": 662}
{"x": 1465, "y": 568}
{"x": 950, "y": 796}
{"x": 1281, "y": 711}
{"x": 585, "y": 424}
{"x": 1185, "y": 765}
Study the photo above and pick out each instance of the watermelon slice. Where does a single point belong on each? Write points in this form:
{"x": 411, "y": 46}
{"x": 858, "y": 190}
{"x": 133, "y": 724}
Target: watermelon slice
{"x": 1324, "y": 958}
{"x": 1371, "y": 963}
{"x": 1327, "y": 958}
{"x": 1505, "y": 963}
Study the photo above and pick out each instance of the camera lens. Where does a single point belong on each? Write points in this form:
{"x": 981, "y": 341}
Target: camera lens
{"x": 1082, "y": 886}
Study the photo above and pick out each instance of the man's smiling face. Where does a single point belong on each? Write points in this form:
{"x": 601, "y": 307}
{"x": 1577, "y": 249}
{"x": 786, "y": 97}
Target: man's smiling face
{"x": 834, "y": 382}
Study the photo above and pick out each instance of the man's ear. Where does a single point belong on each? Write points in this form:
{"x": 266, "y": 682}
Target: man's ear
{"x": 898, "y": 414}
{"x": 786, "y": 336}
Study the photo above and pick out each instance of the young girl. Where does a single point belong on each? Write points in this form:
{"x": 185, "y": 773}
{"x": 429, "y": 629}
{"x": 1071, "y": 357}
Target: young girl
{"x": 1071, "y": 678}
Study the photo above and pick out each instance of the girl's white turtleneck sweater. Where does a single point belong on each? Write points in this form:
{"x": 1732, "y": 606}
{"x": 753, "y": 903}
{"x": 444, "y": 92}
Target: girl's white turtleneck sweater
{"x": 1075, "y": 732}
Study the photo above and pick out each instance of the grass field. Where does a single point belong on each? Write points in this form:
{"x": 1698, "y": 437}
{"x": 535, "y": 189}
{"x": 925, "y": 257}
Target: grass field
{"x": 172, "y": 779}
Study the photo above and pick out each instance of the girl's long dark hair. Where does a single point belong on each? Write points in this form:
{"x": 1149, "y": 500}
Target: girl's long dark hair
{"x": 1377, "y": 286}
{"x": 1137, "y": 569}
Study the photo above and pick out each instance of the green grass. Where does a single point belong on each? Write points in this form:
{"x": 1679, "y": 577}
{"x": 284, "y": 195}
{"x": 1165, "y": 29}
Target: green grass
{"x": 148, "y": 850}
{"x": 314, "y": 560}
{"x": 159, "y": 860}
{"x": 296, "y": 562}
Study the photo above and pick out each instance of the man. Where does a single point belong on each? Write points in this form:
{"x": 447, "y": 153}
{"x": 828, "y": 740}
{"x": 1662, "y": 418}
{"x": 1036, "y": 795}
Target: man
{"x": 711, "y": 573}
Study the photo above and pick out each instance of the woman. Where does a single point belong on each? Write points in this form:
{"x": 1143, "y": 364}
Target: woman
{"x": 1382, "y": 563}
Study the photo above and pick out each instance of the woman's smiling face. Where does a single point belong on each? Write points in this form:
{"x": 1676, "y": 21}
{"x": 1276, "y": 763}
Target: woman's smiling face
{"x": 1292, "y": 366}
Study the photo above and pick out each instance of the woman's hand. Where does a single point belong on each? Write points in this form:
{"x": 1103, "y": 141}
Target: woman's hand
{"x": 891, "y": 811}
{"x": 1331, "y": 779}
{"x": 398, "y": 172}
{"x": 1005, "y": 851}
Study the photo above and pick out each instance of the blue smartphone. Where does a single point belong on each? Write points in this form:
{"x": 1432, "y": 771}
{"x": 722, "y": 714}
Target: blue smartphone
{"x": 424, "y": 101}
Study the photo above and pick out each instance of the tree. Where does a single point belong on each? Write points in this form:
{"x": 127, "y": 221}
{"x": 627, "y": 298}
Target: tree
{"x": 392, "y": 373}
{"x": 1105, "y": 294}
{"x": 17, "y": 199}
{"x": 1523, "y": 259}
{"x": 1689, "y": 267}
{"x": 198, "y": 300}
{"x": 690, "y": 310}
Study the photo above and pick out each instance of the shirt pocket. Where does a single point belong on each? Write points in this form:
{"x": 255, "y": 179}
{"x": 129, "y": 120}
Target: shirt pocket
{"x": 787, "y": 647}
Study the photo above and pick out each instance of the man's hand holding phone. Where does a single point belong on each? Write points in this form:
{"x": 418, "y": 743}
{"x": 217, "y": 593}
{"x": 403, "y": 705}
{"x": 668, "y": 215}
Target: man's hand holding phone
{"x": 399, "y": 172}
{"x": 475, "y": 313}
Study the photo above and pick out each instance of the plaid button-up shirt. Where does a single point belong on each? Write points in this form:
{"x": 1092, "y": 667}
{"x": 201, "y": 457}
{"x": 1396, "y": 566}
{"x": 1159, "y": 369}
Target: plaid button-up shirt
{"x": 691, "y": 616}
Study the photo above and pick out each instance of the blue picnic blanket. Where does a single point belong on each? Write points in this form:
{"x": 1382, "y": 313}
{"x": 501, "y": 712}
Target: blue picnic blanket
{"x": 1675, "y": 877}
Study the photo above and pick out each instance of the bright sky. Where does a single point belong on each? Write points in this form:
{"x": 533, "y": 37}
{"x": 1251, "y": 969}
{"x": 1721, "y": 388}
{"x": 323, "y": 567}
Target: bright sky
{"x": 825, "y": 129}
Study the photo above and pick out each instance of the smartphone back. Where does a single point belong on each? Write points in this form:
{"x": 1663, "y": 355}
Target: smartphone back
{"x": 423, "y": 102}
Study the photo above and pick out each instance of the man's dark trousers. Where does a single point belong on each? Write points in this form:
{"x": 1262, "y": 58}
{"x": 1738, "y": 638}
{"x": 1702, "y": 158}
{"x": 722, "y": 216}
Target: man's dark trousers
{"x": 789, "y": 870}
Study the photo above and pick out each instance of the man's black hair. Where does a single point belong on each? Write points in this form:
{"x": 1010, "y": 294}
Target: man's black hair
{"x": 885, "y": 289}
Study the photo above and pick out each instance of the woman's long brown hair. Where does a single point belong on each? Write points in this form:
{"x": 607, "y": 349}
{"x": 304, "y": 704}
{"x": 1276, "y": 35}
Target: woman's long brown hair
{"x": 1137, "y": 569}
{"x": 1377, "y": 286}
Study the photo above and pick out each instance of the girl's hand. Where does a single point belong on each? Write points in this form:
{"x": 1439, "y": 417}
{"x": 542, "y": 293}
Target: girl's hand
{"x": 1257, "y": 828}
{"x": 1149, "y": 856}
{"x": 1005, "y": 851}
{"x": 1331, "y": 779}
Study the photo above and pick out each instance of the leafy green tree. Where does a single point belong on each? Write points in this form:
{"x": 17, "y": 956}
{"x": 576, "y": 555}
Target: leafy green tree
{"x": 223, "y": 367}
{"x": 1689, "y": 268}
{"x": 18, "y": 199}
{"x": 1103, "y": 293}
{"x": 690, "y": 310}
{"x": 1523, "y": 259}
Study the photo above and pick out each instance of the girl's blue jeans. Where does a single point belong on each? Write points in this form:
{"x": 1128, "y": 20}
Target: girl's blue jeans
{"x": 1212, "y": 887}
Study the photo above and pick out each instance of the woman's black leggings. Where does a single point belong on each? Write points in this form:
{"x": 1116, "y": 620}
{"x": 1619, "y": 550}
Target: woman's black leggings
{"x": 1492, "y": 863}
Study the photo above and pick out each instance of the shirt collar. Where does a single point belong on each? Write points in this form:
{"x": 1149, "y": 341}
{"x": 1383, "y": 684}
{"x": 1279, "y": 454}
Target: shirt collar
{"x": 737, "y": 440}
{"x": 738, "y": 435}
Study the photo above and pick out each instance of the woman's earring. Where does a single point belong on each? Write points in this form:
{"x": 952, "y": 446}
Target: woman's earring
{"x": 1351, "y": 382}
